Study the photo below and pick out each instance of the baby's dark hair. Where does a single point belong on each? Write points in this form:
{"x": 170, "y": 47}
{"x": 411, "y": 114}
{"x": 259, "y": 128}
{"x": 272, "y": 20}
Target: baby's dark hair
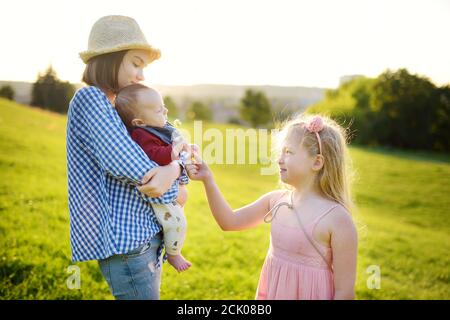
{"x": 126, "y": 103}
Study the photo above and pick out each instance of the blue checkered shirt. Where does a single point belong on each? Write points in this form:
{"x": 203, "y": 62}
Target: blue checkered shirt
{"x": 108, "y": 215}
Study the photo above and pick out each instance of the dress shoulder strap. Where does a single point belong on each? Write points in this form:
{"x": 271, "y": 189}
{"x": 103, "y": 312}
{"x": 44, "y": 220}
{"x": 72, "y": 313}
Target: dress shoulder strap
{"x": 316, "y": 220}
{"x": 273, "y": 203}
{"x": 268, "y": 217}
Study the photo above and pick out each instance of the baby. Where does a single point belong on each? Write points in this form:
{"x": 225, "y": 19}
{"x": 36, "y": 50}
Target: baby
{"x": 143, "y": 112}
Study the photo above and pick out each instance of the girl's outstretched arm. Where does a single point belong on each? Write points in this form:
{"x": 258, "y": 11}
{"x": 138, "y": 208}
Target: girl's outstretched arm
{"x": 229, "y": 220}
{"x": 243, "y": 218}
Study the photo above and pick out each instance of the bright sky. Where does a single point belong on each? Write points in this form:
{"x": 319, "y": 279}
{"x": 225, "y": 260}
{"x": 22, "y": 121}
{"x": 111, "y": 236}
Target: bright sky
{"x": 274, "y": 42}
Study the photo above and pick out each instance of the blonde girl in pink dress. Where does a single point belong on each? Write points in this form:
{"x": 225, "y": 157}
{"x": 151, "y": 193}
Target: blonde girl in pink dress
{"x": 313, "y": 240}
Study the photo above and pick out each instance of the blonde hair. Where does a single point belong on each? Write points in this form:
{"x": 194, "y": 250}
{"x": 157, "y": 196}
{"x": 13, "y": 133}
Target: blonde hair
{"x": 335, "y": 177}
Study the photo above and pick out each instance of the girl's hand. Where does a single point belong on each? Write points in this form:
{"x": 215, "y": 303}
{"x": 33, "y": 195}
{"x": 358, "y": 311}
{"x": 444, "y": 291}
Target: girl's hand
{"x": 198, "y": 170}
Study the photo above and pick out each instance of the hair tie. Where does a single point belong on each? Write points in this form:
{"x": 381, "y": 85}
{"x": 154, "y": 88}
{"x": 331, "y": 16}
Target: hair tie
{"x": 315, "y": 126}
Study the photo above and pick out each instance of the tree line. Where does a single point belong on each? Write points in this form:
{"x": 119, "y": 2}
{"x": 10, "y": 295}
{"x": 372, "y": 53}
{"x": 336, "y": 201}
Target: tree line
{"x": 397, "y": 109}
{"x": 49, "y": 92}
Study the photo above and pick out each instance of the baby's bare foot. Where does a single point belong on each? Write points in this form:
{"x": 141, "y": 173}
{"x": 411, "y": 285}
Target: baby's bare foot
{"x": 178, "y": 262}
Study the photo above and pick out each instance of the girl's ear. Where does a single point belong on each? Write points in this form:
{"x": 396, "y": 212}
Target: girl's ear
{"x": 137, "y": 122}
{"x": 318, "y": 163}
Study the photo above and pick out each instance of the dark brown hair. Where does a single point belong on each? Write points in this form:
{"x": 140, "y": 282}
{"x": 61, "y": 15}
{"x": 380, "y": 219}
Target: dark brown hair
{"x": 126, "y": 103}
{"x": 103, "y": 71}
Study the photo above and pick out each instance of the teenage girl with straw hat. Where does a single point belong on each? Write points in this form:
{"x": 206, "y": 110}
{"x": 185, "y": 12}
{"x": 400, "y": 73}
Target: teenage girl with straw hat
{"x": 111, "y": 181}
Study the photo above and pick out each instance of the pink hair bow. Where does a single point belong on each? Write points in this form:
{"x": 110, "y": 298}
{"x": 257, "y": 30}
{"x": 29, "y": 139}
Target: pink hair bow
{"x": 315, "y": 126}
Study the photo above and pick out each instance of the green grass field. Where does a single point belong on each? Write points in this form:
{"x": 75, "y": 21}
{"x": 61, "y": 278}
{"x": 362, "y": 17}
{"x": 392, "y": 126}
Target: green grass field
{"x": 403, "y": 221}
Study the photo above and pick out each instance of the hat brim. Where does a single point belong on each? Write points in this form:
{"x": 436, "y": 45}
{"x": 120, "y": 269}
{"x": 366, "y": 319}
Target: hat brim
{"x": 154, "y": 53}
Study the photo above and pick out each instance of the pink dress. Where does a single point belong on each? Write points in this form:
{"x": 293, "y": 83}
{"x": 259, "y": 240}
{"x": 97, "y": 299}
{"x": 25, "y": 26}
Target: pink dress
{"x": 293, "y": 269}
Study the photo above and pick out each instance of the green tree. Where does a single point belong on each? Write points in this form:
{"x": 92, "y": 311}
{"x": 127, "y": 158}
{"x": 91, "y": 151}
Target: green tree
{"x": 199, "y": 111}
{"x": 51, "y": 93}
{"x": 351, "y": 96}
{"x": 256, "y": 108}
{"x": 396, "y": 109}
{"x": 7, "y": 92}
{"x": 404, "y": 108}
{"x": 440, "y": 129}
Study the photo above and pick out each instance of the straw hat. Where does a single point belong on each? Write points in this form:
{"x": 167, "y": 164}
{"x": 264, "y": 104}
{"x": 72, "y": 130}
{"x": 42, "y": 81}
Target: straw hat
{"x": 117, "y": 33}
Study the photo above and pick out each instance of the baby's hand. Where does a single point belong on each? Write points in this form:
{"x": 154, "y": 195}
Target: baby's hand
{"x": 178, "y": 145}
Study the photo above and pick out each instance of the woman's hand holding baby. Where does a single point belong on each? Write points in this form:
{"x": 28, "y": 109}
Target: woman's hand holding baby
{"x": 159, "y": 179}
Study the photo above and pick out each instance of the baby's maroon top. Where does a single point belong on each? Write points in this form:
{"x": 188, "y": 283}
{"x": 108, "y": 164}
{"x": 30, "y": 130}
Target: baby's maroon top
{"x": 156, "y": 149}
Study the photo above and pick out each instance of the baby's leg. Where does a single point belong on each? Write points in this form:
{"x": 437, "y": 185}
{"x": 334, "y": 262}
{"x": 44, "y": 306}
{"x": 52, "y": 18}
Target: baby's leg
{"x": 174, "y": 224}
{"x": 182, "y": 195}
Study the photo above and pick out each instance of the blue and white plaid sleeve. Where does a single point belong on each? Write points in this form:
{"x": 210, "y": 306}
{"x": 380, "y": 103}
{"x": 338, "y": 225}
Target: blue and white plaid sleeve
{"x": 112, "y": 146}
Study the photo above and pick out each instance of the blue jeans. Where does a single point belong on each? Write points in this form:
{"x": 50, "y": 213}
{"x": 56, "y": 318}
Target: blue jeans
{"x": 134, "y": 276}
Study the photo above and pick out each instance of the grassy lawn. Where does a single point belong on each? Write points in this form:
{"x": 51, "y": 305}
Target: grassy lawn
{"x": 402, "y": 218}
